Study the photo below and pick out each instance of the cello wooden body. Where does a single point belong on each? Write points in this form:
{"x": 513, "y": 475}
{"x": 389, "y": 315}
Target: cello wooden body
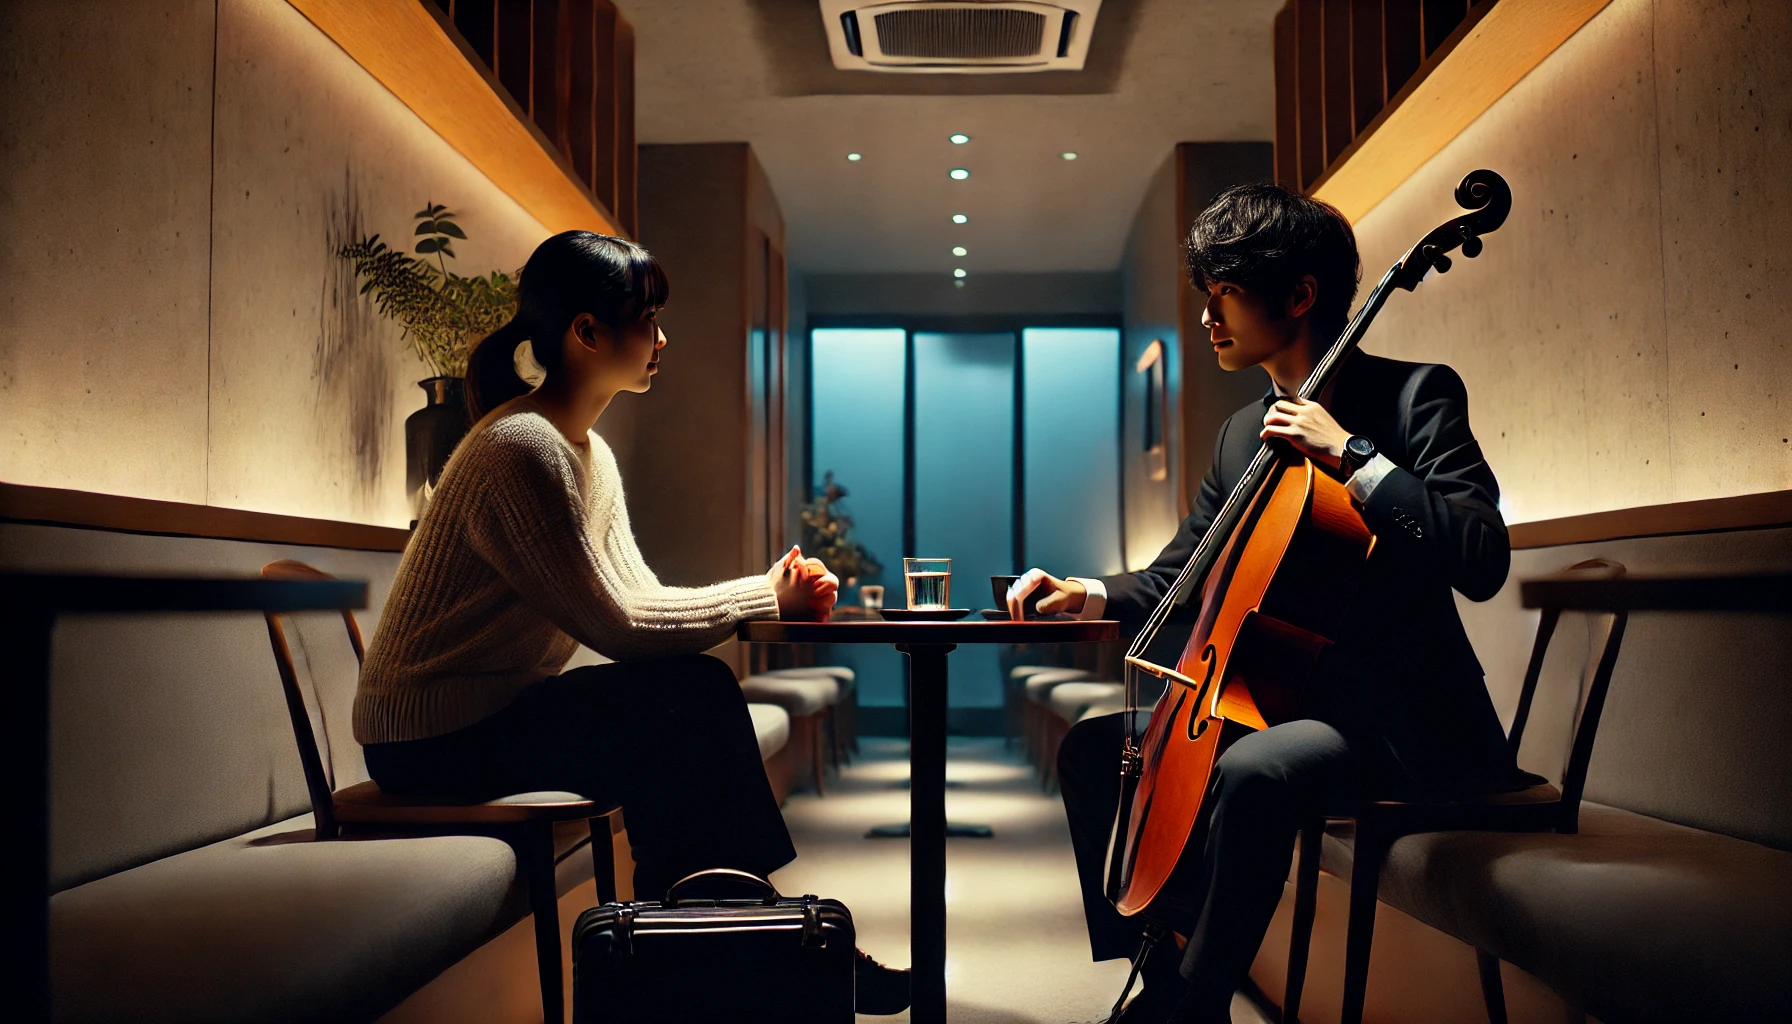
{"x": 1270, "y": 606}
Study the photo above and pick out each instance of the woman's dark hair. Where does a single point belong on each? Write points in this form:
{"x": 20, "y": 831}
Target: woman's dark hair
{"x": 574, "y": 272}
{"x": 1265, "y": 237}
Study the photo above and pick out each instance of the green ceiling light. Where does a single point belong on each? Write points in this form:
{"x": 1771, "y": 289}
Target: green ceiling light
{"x": 959, "y": 218}
{"x": 959, "y": 250}
{"x": 855, "y": 157}
{"x": 1070, "y": 156}
{"x": 960, "y": 139}
{"x": 958, "y": 173}
{"x": 958, "y": 272}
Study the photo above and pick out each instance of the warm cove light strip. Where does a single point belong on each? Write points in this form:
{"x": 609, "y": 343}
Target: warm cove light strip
{"x": 401, "y": 45}
{"x": 1501, "y": 47}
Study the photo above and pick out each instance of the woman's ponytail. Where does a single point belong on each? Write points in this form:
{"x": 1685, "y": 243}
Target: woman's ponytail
{"x": 573, "y": 272}
{"x": 492, "y": 379}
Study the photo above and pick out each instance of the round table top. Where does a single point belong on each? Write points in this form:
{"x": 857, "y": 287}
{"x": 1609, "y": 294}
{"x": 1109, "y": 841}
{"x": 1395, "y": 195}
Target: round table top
{"x": 975, "y": 631}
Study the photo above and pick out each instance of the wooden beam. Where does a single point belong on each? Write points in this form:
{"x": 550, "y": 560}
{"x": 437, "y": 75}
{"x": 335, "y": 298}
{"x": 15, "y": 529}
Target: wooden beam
{"x": 402, "y": 44}
{"x": 1707, "y": 515}
{"x": 56, "y": 506}
{"x": 1498, "y": 44}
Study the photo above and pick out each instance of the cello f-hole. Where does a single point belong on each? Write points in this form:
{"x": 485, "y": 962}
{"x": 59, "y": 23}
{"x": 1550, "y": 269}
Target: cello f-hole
{"x": 1197, "y": 720}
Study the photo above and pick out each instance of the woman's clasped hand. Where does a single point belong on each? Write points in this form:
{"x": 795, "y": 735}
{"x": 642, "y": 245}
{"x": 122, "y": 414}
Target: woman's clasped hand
{"x": 806, "y": 589}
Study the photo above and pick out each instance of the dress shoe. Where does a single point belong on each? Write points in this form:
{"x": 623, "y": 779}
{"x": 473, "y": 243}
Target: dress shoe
{"x": 879, "y": 990}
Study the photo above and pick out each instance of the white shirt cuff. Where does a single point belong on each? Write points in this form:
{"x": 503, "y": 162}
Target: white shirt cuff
{"x": 1096, "y": 601}
{"x": 1363, "y": 482}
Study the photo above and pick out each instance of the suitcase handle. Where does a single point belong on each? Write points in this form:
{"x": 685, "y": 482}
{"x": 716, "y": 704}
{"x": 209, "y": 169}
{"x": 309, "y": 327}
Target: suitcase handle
{"x": 767, "y": 891}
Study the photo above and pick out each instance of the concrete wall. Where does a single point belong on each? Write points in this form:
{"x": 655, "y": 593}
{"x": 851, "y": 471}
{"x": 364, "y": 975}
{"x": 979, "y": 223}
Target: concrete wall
{"x": 176, "y": 325}
{"x": 1623, "y": 336}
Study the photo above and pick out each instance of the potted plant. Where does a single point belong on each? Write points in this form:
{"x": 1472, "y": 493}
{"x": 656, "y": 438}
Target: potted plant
{"x": 827, "y": 535}
{"x": 442, "y": 315}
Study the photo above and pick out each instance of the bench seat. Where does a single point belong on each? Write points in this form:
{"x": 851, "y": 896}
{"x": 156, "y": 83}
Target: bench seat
{"x": 771, "y": 727}
{"x": 269, "y": 926}
{"x": 1636, "y": 918}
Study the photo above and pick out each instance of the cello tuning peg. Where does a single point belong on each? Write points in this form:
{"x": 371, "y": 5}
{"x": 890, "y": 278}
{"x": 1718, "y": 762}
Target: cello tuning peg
{"x": 1442, "y": 263}
{"x": 1471, "y": 246}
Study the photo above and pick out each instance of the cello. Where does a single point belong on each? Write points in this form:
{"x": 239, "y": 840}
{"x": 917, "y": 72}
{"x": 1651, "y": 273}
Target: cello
{"x": 1275, "y": 572}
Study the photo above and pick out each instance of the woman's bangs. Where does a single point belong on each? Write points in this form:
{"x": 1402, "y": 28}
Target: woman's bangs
{"x": 647, "y": 282}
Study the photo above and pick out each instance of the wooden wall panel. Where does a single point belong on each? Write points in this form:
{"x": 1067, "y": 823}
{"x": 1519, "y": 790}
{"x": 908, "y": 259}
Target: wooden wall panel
{"x": 513, "y": 49}
{"x": 1402, "y": 43}
{"x": 1440, "y": 18}
{"x": 1287, "y": 139}
{"x": 1335, "y": 73}
{"x": 1368, "y": 74}
{"x": 627, "y": 151}
{"x": 608, "y": 147}
{"x": 583, "y": 68}
{"x": 1309, "y": 35}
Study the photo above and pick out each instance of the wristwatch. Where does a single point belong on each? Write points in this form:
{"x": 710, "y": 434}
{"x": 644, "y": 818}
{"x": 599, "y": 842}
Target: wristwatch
{"x": 1357, "y": 453}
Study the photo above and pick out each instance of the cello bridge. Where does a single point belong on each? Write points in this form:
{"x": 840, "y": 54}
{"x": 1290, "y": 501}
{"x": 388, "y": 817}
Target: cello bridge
{"x": 1162, "y": 672}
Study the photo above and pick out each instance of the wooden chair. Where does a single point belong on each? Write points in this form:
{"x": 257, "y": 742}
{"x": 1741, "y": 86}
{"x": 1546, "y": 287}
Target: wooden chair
{"x": 525, "y": 820}
{"x": 1540, "y": 808}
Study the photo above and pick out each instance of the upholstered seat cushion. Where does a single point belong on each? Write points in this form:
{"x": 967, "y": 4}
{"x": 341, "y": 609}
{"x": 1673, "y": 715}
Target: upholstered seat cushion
{"x": 1038, "y": 686}
{"x": 797, "y": 695}
{"x": 846, "y": 677}
{"x": 1069, "y": 700}
{"x": 1019, "y": 672}
{"x": 771, "y": 724}
{"x": 1639, "y": 918}
{"x": 271, "y": 927}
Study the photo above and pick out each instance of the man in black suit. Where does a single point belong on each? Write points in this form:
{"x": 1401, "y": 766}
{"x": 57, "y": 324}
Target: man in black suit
{"x": 1401, "y": 708}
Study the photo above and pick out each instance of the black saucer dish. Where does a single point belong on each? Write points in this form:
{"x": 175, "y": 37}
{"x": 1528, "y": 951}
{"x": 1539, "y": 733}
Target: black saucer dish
{"x": 924, "y": 614}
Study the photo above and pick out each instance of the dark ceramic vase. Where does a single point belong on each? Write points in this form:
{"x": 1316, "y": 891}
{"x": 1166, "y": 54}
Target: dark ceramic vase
{"x": 430, "y": 435}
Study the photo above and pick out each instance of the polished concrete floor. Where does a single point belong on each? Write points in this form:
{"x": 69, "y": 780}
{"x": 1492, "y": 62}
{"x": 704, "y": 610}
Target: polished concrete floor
{"x": 1017, "y": 952}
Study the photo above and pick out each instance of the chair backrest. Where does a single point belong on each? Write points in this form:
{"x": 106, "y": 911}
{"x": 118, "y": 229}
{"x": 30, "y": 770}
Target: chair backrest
{"x": 306, "y": 699}
{"x": 1607, "y": 637}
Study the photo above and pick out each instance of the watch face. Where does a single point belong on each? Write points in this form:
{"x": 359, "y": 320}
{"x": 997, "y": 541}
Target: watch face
{"x": 1360, "y": 447}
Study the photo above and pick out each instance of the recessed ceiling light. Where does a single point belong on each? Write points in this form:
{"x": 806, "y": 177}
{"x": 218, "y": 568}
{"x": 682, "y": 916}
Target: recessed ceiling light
{"x": 854, "y": 157}
{"x": 959, "y": 250}
{"x": 959, "y": 218}
{"x": 1070, "y": 156}
{"x": 959, "y": 140}
{"x": 959, "y": 173}
{"x": 958, "y": 272}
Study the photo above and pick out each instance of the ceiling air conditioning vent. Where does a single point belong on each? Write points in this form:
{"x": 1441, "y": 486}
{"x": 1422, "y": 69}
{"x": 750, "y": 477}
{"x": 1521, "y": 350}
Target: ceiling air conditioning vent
{"x": 959, "y": 36}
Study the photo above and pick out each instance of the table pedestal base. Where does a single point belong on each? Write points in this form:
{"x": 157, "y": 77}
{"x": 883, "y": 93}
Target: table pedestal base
{"x": 927, "y": 829}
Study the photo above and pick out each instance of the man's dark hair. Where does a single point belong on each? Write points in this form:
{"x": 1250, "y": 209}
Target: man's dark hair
{"x": 1265, "y": 237}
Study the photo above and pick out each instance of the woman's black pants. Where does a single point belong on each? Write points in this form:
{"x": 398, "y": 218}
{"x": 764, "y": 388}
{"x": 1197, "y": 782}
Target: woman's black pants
{"x": 668, "y": 739}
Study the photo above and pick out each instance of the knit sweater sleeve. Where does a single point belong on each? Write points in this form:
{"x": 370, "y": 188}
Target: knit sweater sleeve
{"x": 534, "y": 527}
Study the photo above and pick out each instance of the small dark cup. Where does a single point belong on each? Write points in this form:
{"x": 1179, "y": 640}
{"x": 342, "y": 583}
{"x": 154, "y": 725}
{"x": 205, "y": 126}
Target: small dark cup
{"x": 998, "y": 586}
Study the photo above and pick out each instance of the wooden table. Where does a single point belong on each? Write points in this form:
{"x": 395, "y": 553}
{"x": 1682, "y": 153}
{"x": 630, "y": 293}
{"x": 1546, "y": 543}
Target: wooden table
{"x": 926, "y": 645}
{"x": 29, "y": 605}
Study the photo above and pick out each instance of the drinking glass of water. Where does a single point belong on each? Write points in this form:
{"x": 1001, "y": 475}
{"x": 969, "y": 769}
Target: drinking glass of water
{"x": 929, "y": 582}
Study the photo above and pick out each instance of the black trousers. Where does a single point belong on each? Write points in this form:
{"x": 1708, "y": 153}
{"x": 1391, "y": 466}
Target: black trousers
{"x": 1263, "y": 787}
{"x": 668, "y": 739}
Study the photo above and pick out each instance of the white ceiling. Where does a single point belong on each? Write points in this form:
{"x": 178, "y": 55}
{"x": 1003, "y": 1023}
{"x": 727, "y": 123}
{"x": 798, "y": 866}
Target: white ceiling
{"x": 758, "y": 71}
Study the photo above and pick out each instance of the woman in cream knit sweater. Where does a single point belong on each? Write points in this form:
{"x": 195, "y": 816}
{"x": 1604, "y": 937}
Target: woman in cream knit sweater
{"x": 525, "y": 552}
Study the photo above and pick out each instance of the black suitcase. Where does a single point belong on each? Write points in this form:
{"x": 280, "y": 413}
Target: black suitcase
{"x": 697, "y": 957}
